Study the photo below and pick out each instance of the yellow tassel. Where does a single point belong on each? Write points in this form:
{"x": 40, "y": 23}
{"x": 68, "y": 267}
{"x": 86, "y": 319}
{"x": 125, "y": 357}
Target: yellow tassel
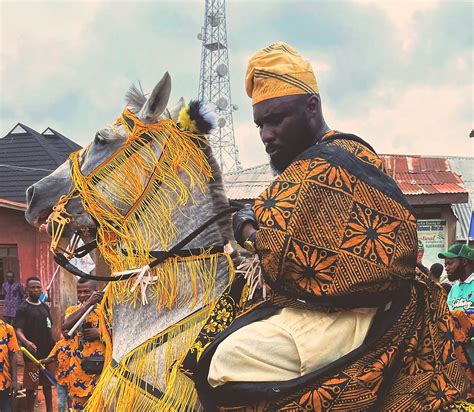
{"x": 185, "y": 121}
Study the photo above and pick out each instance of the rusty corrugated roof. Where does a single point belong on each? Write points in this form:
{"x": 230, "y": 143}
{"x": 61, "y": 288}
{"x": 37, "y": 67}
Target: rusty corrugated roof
{"x": 415, "y": 175}
{"x": 423, "y": 175}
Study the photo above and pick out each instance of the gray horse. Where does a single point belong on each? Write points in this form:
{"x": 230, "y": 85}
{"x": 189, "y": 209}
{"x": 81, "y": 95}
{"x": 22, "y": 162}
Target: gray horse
{"x": 134, "y": 324}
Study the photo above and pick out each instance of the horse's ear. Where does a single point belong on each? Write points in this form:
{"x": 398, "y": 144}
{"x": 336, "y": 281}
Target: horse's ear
{"x": 156, "y": 103}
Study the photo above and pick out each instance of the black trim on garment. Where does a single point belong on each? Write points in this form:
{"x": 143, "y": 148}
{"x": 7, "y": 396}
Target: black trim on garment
{"x": 352, "y": 301}
{"x": 368, "y": 173}
{"x": 248, "y": 393}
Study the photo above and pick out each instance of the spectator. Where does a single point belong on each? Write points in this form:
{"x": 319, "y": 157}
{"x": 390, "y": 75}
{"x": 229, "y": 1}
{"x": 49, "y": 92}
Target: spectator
{"x": 13, "y": 296}
{"x": 436, "y": 270}
{"x": 459, "y": 263}
{"x": 61, "y": 354}
{"x": 8, "y": 365}
{"x": 33, "y": 325}
{"x": 87, "y": 347}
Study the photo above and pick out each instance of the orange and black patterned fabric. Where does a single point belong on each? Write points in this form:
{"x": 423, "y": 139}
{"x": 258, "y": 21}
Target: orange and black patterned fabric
{"x": 463, "y": 345}
{"x": 335, "y": 232}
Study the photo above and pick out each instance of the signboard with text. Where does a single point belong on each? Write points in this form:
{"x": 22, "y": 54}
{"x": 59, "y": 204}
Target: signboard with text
{"x": 433, "y": 236}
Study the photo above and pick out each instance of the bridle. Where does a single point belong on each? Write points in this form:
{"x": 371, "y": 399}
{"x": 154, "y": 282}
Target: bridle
{"x": 61, "y": 217}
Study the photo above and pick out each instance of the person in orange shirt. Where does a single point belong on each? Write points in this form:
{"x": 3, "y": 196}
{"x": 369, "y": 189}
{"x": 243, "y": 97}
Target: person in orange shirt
{"x": 87, "y": 348}
{"x": 8, "y": 365}
{"x": 61, "y": 354}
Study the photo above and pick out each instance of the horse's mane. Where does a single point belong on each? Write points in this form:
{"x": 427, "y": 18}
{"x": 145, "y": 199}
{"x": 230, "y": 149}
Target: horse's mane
{"x": 135, "y": 99}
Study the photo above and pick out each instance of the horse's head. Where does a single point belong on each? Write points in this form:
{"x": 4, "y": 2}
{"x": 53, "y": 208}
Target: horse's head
{"x": 43, "y": 195}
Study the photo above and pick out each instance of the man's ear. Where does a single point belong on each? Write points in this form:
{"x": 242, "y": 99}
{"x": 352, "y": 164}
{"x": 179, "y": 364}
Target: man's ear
{"x": 313, "y": 104}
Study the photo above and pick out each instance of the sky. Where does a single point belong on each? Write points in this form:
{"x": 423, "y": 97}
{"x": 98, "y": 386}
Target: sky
{"x": 399, "y": 74}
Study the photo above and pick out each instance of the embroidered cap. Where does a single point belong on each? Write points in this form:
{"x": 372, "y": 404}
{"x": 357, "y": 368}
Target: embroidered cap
{"x": 278, "y": 70}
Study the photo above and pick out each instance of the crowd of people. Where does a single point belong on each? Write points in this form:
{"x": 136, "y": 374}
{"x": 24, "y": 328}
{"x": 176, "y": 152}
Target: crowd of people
{"x": 75, "y": 361}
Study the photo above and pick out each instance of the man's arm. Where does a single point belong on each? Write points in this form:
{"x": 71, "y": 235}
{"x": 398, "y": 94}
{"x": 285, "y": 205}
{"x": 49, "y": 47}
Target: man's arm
{"x": 24, "y": 341}
{"x": 13, "y": 353}
{"x": 14, "y": 369}
{"x": 19, "y": 324}
{"x": 72, "y": 318}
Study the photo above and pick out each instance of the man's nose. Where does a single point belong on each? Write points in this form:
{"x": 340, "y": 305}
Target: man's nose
{"x": 267, "y": 134}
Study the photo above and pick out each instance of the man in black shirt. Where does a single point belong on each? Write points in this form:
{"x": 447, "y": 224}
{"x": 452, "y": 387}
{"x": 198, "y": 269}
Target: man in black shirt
{"x": 33, "y": 324}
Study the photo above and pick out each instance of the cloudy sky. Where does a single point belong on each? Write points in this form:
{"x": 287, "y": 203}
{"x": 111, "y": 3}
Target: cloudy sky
{"x": 399, "y": 74}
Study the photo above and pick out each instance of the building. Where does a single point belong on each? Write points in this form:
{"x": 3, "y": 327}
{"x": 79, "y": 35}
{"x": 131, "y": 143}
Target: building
{"x": 27, "y": 156}
{"x": 432, "y": 186}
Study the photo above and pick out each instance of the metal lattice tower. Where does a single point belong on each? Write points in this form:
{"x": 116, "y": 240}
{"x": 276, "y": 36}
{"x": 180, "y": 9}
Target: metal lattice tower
{"x": 214, "y": 84}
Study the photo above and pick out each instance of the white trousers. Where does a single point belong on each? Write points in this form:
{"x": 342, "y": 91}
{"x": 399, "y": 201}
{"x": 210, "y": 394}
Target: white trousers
{"x": 287, "y": 345}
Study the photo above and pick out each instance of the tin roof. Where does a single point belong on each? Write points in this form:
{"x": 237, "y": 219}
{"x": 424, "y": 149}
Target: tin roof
{"x": 422, "y": 175}
{"x": 415, "y": 175}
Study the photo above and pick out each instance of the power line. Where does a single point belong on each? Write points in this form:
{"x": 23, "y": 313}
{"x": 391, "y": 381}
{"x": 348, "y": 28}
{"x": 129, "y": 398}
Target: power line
{"x": 26, "y": 168}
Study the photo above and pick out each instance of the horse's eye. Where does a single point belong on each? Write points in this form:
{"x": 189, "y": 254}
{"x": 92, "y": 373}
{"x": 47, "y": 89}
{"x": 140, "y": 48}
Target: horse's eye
{"x": 99, "y": 139}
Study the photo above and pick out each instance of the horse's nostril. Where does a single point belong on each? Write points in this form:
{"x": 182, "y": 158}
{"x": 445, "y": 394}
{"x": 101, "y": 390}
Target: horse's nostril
{"x": 30, "y": 192}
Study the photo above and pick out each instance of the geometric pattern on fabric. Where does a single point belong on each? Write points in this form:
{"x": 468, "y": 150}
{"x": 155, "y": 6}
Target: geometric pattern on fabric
{"x": 370, "y": 234}
{"x": 330, "y": 205}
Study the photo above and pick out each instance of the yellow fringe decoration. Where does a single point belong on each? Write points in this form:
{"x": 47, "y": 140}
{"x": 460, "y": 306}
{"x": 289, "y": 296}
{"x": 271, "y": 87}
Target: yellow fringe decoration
{"x": 135, "y": 215}
{"x": 173, "y": 277}
{"x": 142, "y": 362}
{"x": 131, "y": 218}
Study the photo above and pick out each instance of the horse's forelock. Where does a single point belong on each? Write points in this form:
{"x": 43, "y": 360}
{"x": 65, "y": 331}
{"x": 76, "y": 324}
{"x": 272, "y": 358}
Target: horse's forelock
{"x": 135, "y": 99}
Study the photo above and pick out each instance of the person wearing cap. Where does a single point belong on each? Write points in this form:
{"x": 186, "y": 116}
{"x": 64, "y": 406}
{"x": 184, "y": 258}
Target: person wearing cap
{"x": 345, "y": 323}
{"x": 459, "y": 264}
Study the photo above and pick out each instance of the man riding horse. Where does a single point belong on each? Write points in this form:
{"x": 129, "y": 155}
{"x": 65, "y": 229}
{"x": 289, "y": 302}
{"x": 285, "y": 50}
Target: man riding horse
{"x": 347, "y": 322}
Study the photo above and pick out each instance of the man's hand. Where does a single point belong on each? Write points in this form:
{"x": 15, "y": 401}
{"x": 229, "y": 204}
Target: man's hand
{"x": 46, "y": 361}
{"x": 91, "y": 334}
{"x": 95, "y": 298}
{"x": 14, "y": 388}
{"x": 31, "y": 346}
{"x": 244, "y": 224}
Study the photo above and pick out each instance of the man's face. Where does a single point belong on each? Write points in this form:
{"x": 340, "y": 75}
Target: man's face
{"x": 10, "y": 277}
{"x": 84, "y": 291}
{"x": 454, "y": 268}
{"x": 34, "y": 289}
{"x": 284, "y": 128}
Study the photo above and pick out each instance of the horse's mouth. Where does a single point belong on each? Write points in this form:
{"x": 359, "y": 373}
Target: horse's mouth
{"x": 45, "y": 225}
{"x": 42, "y": 218}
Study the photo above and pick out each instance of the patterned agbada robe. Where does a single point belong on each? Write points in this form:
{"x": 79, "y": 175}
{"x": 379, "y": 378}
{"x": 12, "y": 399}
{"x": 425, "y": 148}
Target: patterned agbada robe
{"x": 335, "y": 233}
{"x": 80, "y": 383}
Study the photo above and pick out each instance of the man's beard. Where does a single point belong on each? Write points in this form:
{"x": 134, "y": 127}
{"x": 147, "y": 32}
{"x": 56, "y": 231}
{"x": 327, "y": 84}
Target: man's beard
{"x": 453, "y": 277}
{"x": 278, "y": 166}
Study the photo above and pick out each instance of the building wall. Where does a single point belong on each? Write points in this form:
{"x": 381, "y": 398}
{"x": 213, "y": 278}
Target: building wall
{"x": 34, "y": 257}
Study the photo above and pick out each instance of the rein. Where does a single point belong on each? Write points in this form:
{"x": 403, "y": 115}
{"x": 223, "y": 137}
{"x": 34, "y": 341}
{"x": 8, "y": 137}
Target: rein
{"x": 161, "y": 256}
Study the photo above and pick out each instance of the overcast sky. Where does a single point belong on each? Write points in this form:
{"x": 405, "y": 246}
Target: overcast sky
{"x": 398, "y": 74}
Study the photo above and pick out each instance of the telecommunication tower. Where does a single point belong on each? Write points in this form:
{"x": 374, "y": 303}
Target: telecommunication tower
{"x": 214, "y": 84}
